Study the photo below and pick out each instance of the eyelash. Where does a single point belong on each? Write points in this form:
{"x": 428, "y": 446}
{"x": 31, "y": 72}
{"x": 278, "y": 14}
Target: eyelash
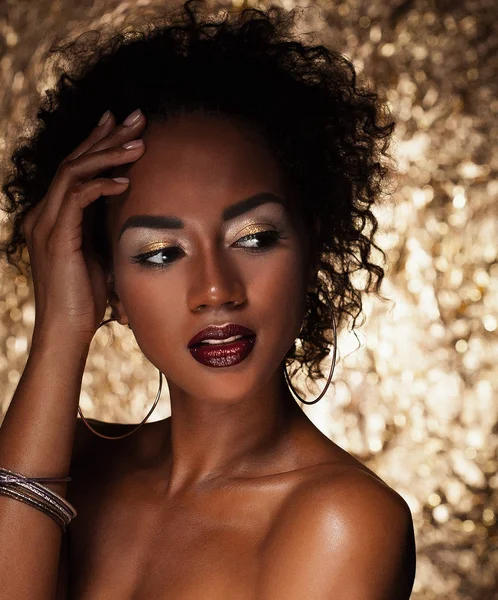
{"x": 272, "y": 235}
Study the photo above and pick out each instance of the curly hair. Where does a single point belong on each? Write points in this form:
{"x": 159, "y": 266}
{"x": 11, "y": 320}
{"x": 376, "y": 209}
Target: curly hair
{"x": 329, "y": 134}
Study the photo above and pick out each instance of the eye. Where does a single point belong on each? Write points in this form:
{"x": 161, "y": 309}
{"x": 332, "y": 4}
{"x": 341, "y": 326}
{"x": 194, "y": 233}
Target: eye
{"x": 262, "y": 240}
{"x": 172, "y": 252}
{"x": 258, "y": 242}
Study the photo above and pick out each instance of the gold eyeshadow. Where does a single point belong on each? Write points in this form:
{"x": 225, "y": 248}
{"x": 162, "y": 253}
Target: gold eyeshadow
{"x": 248, "y": 230}
{"x": 154, "y": 246}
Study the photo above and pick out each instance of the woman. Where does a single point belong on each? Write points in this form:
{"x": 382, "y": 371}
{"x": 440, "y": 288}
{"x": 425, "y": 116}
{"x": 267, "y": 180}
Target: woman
{"x": 226, "y": 191}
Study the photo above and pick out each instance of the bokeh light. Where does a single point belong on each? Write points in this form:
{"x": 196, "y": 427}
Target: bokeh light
{"x": 414, "y": 394}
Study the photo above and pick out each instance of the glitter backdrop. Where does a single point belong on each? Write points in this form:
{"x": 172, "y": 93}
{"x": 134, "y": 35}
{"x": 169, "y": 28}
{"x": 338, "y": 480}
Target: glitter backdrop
{"x": 414, "y": 396}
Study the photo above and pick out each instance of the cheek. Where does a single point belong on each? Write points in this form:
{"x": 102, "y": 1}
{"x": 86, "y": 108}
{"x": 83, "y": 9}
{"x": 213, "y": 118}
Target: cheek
{"x": 150, "y": 297}
{"x": 153, "y": 303}
{"x": 282, "y": 284}
{"x": 278, "y": 297}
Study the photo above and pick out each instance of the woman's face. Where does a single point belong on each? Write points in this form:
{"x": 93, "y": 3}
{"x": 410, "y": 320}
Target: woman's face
{"x": 196, "y": 170}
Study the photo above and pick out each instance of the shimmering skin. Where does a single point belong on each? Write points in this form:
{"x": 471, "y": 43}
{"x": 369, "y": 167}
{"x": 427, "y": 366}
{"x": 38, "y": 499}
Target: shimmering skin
{"x": 417, "y": 403}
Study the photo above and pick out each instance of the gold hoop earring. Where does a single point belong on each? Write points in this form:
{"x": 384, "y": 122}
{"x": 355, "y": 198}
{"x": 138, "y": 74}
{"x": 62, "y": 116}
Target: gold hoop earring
{"x": 119, "y": 437}
{"x": 330, "y": 376}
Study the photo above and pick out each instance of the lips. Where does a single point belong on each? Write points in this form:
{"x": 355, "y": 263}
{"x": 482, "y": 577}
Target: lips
{"x": 223, "y": 355}
{"x": 220, "y": 333}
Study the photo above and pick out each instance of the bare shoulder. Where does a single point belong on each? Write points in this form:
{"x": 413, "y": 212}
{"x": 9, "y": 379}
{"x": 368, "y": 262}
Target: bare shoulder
{"x": 343, "y": 534}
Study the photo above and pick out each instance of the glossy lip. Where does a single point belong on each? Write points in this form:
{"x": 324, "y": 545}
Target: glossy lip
{"x": 220, "y": 332}
{"x": 223, "y": 355}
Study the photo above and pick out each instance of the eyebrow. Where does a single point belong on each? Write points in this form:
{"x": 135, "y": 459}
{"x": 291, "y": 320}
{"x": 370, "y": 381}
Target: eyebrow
{"x": 231, "y": 212}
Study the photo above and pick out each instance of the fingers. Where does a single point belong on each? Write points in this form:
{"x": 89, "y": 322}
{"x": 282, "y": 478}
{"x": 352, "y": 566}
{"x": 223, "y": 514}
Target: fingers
{"x": 67, "y": 231}
{"x": 84, "y": 167}
{"x": 104, "y": 127}
{"x": 102, "y": 150}
{"x": 30, "y": 219}
{"x": 131, "y": 128}
{"x": 106, "y": 134}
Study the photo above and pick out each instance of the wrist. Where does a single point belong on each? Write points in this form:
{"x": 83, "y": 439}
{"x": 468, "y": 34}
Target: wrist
{"x": 60, "y": 340}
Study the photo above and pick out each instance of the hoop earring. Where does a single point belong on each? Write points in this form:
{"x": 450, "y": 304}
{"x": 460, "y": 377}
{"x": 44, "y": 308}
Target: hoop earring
{"x": 119, "y": 437}
{"x": 330, "y": 376}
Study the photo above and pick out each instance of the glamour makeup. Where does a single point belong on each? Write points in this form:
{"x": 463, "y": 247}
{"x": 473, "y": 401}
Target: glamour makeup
{"x": 222, "y": 346}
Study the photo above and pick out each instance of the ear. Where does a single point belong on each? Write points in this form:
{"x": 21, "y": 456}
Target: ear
{"x": 118, "y": 311}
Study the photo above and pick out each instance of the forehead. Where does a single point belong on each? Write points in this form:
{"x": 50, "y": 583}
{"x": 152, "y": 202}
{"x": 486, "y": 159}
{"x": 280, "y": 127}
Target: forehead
{"x": 200, "y": 161}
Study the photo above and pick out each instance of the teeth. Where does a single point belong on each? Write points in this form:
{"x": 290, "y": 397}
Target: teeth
{"x": 214, "y": 342}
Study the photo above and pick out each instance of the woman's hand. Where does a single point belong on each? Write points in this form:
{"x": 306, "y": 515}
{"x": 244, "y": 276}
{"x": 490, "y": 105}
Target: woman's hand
{"x": 70, "y": 286}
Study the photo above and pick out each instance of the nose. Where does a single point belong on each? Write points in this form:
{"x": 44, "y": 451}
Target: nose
{"x": 215, "y": 282}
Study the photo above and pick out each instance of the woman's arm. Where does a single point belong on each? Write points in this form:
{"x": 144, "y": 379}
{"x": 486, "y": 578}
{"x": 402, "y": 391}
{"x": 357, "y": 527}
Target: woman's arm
{"x": 70, "y": 289}
{"x": 348, "y": 538}
{"x": 36, "y": 439}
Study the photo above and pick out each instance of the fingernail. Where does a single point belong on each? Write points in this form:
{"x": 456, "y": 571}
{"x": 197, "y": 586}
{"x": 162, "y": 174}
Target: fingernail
{"x": 132, "y": 118}
{"x": 104, "y": 117}
{"x": 121, "y": 179}
{"x": 133, "y": 144}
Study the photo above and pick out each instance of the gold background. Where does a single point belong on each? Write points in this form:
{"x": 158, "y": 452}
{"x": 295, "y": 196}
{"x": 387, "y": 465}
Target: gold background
{"x": 414, "y": 397}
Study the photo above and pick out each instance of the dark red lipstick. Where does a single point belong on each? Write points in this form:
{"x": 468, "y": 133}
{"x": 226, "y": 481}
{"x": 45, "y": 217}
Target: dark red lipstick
{"x": 222, "y": 354}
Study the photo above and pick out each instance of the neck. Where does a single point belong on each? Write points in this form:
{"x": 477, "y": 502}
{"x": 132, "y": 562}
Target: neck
{"x": 209, "y": 440}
